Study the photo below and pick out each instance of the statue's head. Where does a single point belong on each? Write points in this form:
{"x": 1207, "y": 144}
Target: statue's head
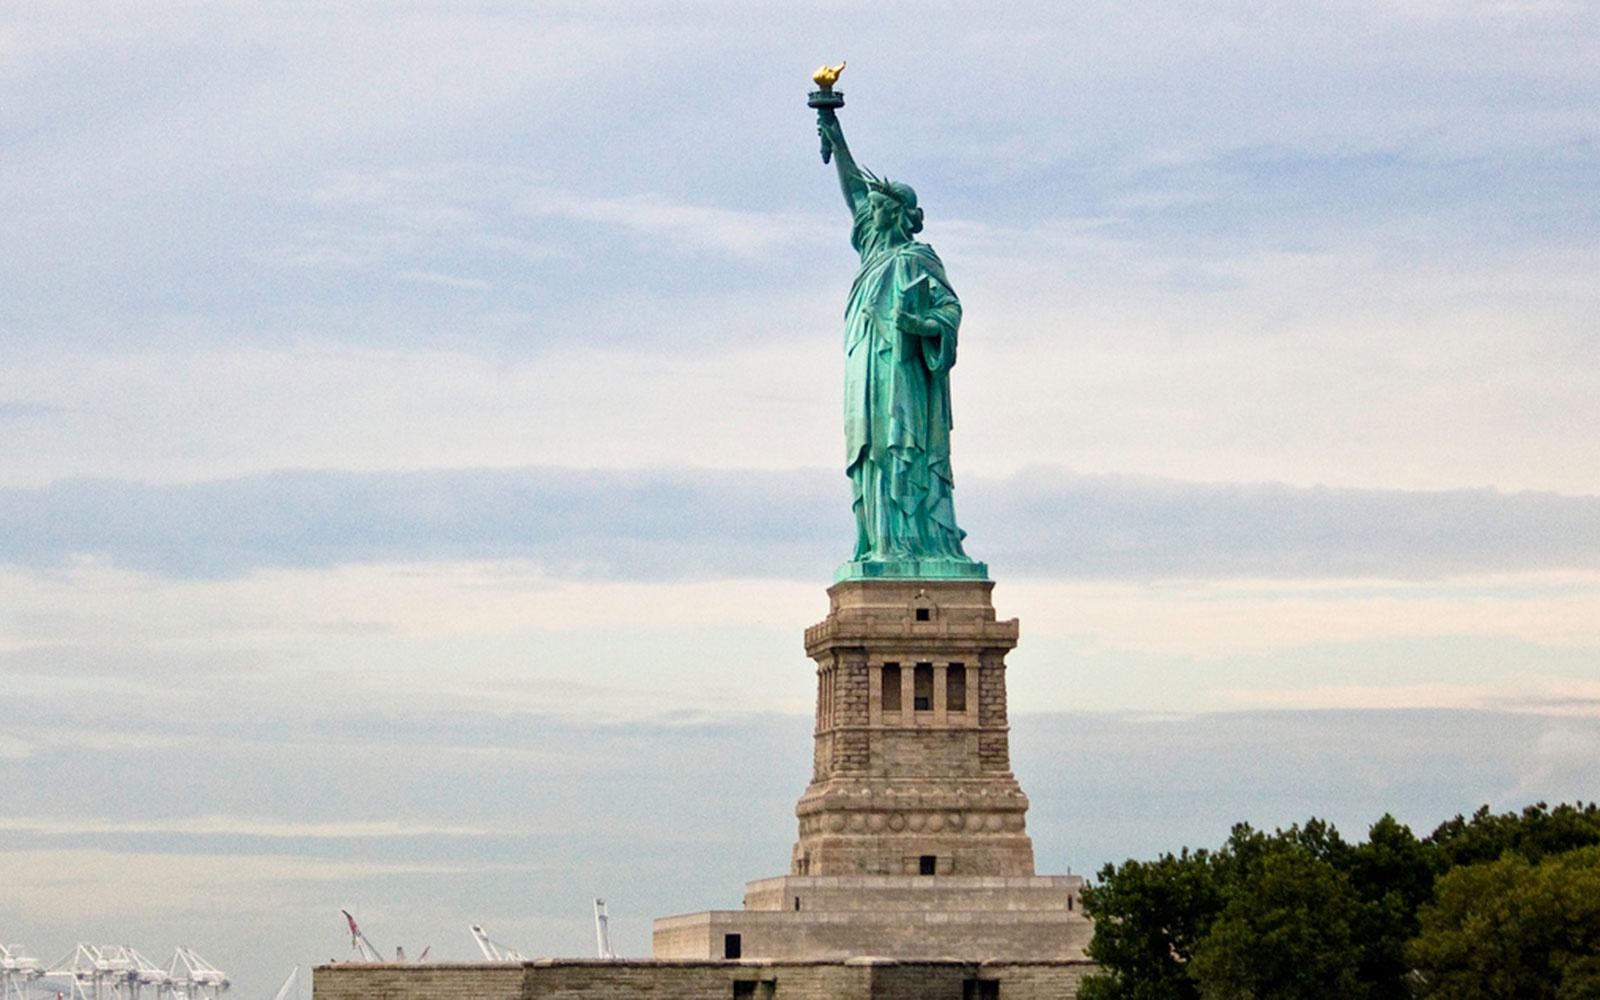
{"x": 894, "y": 206}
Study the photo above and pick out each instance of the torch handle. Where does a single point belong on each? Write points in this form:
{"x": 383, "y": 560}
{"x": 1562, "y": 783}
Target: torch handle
{"x": 825, "y": 115}
{"x": 825, "y": 101}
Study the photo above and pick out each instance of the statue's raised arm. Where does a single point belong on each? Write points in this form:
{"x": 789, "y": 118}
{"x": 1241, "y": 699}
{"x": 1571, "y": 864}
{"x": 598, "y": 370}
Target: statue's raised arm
{"x": 851, "y": 180}
{"x": 826, "y": 101}
{"x": 899, "y": 346}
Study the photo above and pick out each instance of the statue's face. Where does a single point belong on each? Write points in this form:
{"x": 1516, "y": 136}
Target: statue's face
{"x": 887, "y": 214}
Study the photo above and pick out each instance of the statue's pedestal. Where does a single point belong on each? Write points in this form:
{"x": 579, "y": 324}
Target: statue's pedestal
{"x": 913, "y": 839}
{"x": 831, "y": 918}
{"x": 912, "y": 771}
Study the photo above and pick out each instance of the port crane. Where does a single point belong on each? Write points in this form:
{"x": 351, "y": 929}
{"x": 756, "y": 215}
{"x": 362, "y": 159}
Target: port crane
{"x": 91, "y": 974}
{"x": 493, "y": 950}
{"x": 602, "y": 929}
{"x": 194, "y": 978}
{"x": 109, "y": 972}
{"x": 138, "y": 972}
{"x": 359, "y": 943}
{"x": 288, "y": 985}
{"x": 121, "y": 972}
{"x": 17, "y": 970}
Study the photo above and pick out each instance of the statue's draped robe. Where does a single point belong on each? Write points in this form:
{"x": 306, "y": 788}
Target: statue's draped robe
{"x": 897, "y": 400}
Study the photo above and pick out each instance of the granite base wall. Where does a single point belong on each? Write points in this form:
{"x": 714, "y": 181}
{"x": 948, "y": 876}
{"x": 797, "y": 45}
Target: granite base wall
{"x": 595, "y": 979}
{"x": 1056, "y": 935}
{"x": 833, "y": 918}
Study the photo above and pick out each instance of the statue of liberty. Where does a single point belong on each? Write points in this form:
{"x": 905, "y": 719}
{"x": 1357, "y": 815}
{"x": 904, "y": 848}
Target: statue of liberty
{"x": 899, "y": 346}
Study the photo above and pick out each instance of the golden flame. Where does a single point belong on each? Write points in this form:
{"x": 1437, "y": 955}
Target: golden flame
{"x": 826, "y": 76}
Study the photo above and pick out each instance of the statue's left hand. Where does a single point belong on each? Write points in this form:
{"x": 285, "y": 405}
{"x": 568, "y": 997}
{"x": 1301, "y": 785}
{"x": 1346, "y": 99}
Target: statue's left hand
{"x": 915, "y": 325}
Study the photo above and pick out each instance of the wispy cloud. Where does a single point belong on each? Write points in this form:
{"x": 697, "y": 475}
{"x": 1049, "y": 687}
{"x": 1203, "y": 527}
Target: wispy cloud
{"x": 1563, "y": 759}
{"x": 700, "y": 227}
{"x": 686, "y": 524}
{"x": 244, "y": 826}
{"x": 12, "y": 410}
{"x": 1202, "y": 620}
{"x": 1553, "y": 696}
{"x": 95, "y": 884}
{"x": 578, "y": 523}
{"x": 445, "y": 280}
{"x": 1047, "y": 522}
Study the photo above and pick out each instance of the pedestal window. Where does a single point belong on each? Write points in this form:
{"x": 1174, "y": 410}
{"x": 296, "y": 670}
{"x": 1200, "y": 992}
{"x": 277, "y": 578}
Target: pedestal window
{"x": 922, "y": 688}
{"x": 955, "y": 687}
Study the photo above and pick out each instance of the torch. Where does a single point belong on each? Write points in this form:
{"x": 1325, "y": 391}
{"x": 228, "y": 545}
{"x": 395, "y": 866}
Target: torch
{"x": 825, "y": 99}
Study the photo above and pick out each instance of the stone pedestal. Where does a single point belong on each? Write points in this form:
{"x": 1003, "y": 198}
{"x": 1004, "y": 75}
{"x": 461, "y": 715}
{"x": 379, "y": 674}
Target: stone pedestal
{"x": 912, "y": 771}
{"x": 839, "y": 917}
{"x": 913, "y": 841}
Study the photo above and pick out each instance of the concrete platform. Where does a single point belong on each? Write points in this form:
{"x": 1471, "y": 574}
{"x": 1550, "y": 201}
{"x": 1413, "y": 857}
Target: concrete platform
{"x": 972, "y": 919}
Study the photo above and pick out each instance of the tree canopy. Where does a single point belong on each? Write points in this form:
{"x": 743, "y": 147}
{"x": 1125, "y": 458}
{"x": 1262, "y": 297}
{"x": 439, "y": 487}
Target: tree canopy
{"x": 1494, "y": 901}
{"x": 1513, "y": 928}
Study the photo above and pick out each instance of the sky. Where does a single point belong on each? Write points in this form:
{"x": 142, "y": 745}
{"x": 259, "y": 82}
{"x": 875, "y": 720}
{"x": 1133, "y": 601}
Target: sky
{"x": 420, "y": 446}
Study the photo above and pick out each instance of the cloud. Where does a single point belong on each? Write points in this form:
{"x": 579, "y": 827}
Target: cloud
{"x": 1153, "y": 784}
{"x": 10, "y": 410}
{"x": 171, "y": 159}
{"x": 1157, "y": 785}
{"x": 1284, "y": 632}
{"x": 1563, "y": 759}
{"x": 578, "y": 523}
{"x": 696, "y": 524}
{"x": 1554, "y": 696}
{"x": 446, "y": 280}
{"x": 327, "y": 406}
{"x": 700, "y": 227}
{"x": 1047, "y": 522}
{"x": 244, "y": 826}
{"x": 98, "y": 884}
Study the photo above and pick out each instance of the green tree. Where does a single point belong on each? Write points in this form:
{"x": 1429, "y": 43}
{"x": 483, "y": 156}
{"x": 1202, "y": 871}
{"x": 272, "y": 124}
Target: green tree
{"x": 1498, "y": 905}
{"x": 1354, "y": 909}
{"x": 1337, "y": 915}
{"x": 1149, "y": 916}
{"x": 1513, "y": 930}
{"x": 1535, "y": 832}
{"x": 1287, "y": 931}
{"x": 1392, "y": 872}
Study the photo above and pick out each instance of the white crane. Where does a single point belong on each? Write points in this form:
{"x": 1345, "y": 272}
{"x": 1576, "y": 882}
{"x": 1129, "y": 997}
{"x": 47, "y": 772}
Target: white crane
{"x": 288, "y": 985}
{"x": 132, "y": 972}
{"x": 602, "y": 931}
{"x": 17, "y": 969}
{"x": 493, "y": 950}
{"x": 115, "y": 972}
{"x": 359, "y": 942}
{"x": 195, "y": 978}
{"x": 92, "y": 976}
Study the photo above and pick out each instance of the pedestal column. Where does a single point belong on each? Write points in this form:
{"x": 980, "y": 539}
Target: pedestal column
{"x": 912, "y": 760}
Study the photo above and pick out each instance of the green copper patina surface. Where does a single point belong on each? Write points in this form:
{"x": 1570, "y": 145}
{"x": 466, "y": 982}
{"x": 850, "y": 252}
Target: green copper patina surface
{"x": 899, "y": 346}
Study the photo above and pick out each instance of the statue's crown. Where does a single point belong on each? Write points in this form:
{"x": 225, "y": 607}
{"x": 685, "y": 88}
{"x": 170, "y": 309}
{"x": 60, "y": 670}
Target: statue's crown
{"x": 903, "y": 193}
